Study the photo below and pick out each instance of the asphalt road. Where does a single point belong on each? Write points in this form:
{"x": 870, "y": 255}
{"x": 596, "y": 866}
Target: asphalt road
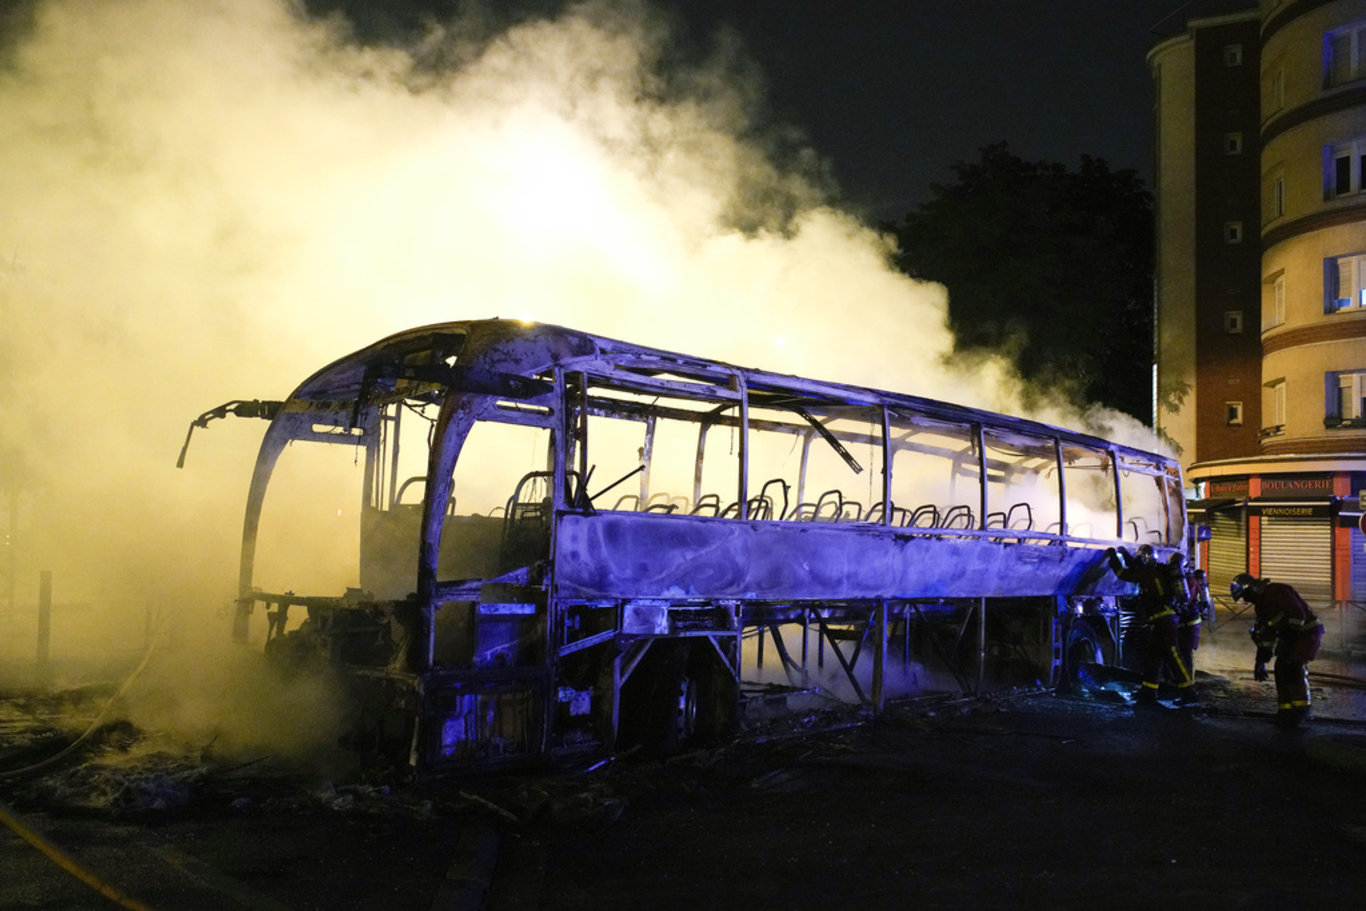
{"x": 1022, "y": 800}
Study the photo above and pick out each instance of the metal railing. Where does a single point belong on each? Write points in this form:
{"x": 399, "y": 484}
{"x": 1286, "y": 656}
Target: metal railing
{"x": 1225, "y": 611}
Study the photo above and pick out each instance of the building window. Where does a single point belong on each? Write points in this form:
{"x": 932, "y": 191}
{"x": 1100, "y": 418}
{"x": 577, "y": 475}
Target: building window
{"x": 1233, "y": 414}
{"x": 1233, "y": 232}
{"x": 1233, "y": 55}
{"x": 1274, "y": 201}
{"x": 1233, "y": 322}
{"x": 1276, "y": 101}
{"x": 1273, "y": 409}
{"x": 1277, "y": 312}
{"x": 1344, "y": 283}
{"x": 1344, "y": 55}
{"x": 1344, "y": 166}
{"x": 1345, "y": 400}
{"x": 1233, "y": 143}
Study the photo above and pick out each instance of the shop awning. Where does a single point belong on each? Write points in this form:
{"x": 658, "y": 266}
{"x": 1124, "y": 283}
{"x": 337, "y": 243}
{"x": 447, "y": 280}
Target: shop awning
{"x": 1213, "y": 504}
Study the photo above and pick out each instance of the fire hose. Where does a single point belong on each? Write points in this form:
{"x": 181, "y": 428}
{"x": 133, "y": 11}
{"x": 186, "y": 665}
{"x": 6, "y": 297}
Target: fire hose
{"x": 89, "y": 731}
{"x": 15, "y": 823}
{"x": 1338, "y": 679}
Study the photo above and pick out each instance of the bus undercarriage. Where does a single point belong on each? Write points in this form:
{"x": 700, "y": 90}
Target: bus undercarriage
{"x": 670, "y": 676}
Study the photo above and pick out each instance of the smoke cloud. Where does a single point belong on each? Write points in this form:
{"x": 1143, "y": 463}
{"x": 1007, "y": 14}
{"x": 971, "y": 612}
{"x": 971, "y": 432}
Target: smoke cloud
{"x": 203, "y": 200}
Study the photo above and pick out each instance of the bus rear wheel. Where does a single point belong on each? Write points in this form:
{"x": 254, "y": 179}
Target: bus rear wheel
{"x": 684, "y": 698}
{"x": 679, "y": 697}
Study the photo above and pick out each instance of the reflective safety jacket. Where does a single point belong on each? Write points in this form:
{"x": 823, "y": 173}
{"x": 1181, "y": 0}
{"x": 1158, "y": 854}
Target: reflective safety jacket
{"x": 1281, "y": 615}
{"x": 1155, "y": 593}
{"x": 1178, "y": 580}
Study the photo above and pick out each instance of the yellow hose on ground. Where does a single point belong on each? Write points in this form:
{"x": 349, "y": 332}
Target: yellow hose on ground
{"x": 15, "y": 823}
{"x": 94, "y": 725}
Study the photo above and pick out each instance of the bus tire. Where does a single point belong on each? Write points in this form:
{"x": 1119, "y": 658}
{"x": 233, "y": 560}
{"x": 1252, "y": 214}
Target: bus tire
{"x": 658, "y": 703}
{"x": 692, "y": 701}
{"x": 677, "y": 698}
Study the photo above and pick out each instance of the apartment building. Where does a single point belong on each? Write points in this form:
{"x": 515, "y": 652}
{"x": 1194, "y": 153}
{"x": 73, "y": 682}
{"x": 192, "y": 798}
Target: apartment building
{"x": 1261, "y": 287}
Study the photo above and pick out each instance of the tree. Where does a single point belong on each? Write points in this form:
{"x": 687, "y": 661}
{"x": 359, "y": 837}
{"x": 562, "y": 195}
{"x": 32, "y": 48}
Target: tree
{"x": 1052, "y": 266}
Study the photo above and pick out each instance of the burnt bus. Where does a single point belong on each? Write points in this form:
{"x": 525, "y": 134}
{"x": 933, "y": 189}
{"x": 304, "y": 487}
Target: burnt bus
{"x": 550, "y": 543}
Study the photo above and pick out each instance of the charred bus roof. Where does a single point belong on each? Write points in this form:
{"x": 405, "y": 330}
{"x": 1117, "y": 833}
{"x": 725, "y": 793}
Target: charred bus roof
{"x": 513, "y": 358}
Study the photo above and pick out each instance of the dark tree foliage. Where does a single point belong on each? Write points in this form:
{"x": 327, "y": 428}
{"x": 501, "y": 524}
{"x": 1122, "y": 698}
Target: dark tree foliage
{"x": 1052, "y": 266}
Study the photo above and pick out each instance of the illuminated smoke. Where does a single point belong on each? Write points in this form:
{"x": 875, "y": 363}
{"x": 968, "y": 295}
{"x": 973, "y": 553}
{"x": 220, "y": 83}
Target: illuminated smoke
{"x": 202, "y": 201}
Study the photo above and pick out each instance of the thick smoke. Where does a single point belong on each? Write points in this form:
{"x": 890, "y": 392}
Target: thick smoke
{"x": 204, "y": 200}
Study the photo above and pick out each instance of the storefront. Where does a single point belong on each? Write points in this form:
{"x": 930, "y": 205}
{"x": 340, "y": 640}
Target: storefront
{"x": 1300, "y": 527}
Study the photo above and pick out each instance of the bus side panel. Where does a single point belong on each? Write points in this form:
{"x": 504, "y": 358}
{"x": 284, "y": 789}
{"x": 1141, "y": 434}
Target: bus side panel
{"x": 645, "y": 555}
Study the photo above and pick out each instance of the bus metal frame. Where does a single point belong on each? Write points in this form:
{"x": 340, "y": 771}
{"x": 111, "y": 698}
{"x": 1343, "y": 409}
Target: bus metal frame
{"x": 567, "y": 625}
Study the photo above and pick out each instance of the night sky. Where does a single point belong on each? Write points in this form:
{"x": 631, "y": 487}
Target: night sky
{"x": 893, "y": 92}
{"x": 896, "y": 92}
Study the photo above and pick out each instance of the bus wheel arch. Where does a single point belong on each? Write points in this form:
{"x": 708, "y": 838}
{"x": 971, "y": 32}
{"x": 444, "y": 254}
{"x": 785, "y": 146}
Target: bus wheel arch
{"x": 1085, "y": 640}
{"x": 682, "y": 696}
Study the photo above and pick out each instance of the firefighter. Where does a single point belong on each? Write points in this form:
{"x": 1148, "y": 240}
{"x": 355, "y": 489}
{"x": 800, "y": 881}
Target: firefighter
{"x": 1156, "y": 606}
{"x": 1286, "y": 627}
{"x": 1198, "y": 609}
{"x": 1190, "y": 600}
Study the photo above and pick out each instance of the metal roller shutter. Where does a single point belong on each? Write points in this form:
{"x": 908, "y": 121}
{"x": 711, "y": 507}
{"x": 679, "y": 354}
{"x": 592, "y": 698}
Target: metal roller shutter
{"x": 1358, "y": 565}
{"x": 1227, "y": 549}
{"x": 1299, "y": 551}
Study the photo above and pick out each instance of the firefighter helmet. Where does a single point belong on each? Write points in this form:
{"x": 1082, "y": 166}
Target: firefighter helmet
{"x": 1244, "y": 585}
{"x": 1145, "y": 553}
